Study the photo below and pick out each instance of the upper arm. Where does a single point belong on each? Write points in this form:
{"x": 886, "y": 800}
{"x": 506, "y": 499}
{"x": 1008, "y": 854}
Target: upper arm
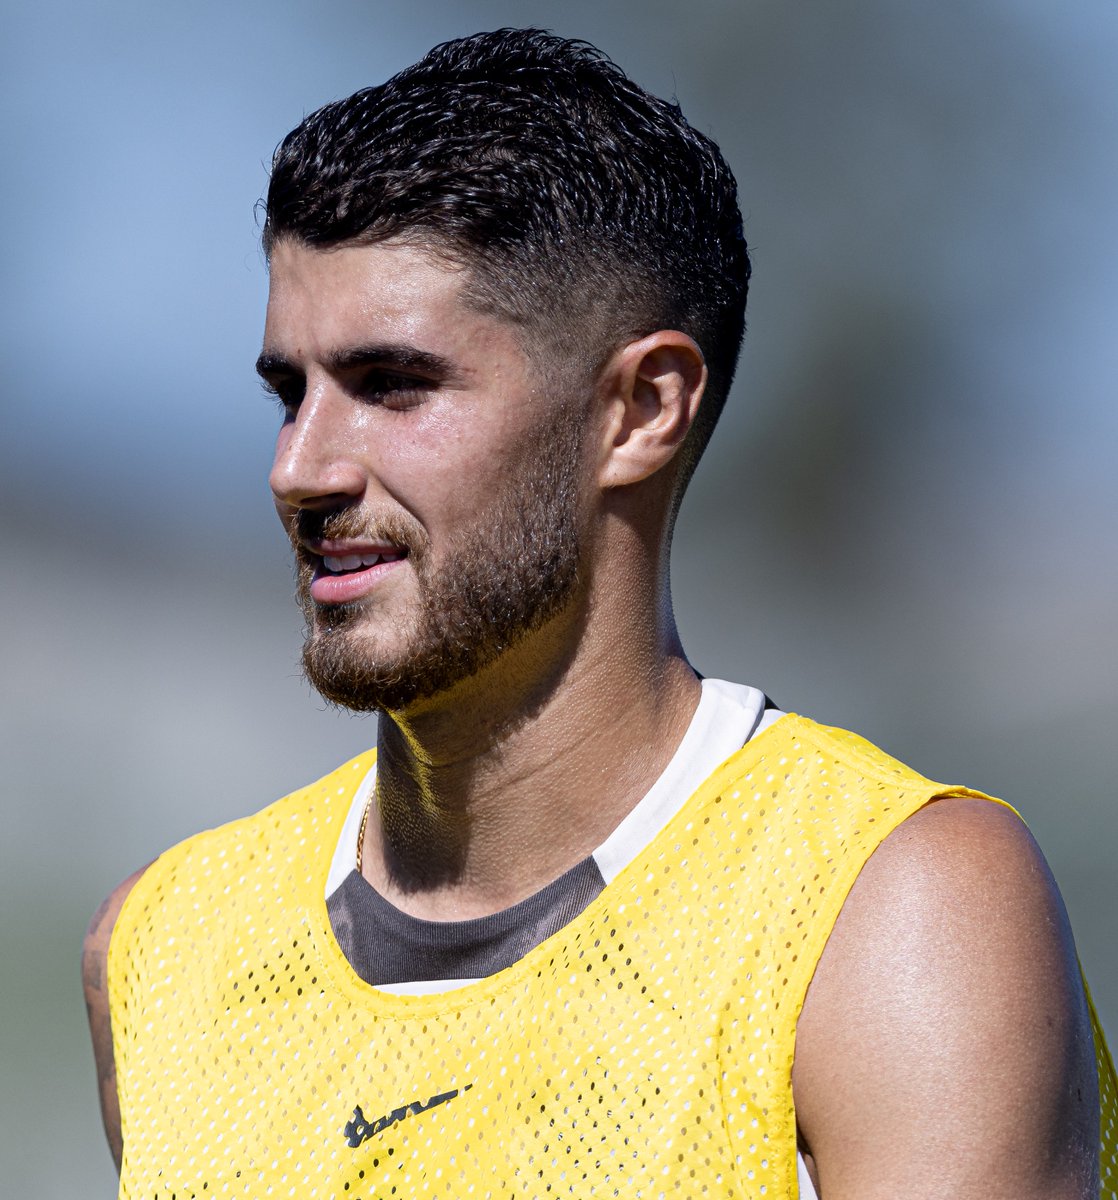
{"x": 944, "y": 1048}
{"x": 95, "y": 953}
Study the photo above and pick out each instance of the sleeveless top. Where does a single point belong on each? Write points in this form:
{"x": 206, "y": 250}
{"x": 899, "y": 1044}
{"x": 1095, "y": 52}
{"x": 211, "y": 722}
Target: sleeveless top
{"x": 644, "y": 1049}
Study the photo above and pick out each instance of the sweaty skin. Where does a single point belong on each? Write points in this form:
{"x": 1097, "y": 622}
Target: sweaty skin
{"x": 476, "y": 805}
{"x": 944, "y": 1048}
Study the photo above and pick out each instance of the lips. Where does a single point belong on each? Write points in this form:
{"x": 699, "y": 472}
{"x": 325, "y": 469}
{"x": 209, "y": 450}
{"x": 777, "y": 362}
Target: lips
{"x": 342, "y": 578}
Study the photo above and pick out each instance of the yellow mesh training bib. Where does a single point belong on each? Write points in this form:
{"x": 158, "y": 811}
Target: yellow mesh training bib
{"x": 644, "y": 1050}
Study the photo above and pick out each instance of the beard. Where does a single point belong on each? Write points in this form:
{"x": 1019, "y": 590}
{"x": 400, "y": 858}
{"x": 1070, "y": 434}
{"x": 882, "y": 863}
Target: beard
{"x": 503, "y": 577}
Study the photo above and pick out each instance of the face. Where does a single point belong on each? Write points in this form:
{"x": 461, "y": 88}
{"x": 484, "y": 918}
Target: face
{"x": 428, "y": 480}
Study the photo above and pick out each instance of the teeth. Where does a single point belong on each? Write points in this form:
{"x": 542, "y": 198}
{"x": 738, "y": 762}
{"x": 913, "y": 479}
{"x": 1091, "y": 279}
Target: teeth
{"x": 346, "y": 562}
{"x": 351, "y": 562}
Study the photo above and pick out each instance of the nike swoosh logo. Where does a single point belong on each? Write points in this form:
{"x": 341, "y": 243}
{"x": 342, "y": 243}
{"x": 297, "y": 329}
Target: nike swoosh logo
{"x": 360, "y": 1129}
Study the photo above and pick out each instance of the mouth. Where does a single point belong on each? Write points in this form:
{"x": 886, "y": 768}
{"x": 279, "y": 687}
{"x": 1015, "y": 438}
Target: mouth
{"x": 343, "y": 578}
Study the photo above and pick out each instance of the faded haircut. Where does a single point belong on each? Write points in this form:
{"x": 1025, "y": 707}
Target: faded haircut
{"x": 585, "y": 211}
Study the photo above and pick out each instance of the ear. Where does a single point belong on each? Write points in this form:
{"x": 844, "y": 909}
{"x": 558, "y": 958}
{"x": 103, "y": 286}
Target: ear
{"x": 650, "y": 392}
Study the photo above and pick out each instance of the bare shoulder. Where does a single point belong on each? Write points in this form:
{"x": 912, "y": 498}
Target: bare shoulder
{"x": 95, "y": 947}
{"x": 95, "y": 954}
{"x": 945, "y": 1047}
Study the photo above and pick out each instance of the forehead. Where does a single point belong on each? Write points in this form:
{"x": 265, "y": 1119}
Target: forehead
{"x": 321, "y": 301}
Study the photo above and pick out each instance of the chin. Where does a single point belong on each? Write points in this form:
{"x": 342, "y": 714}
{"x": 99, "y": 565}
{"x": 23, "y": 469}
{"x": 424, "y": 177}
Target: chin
{"x": 347, "y": 671}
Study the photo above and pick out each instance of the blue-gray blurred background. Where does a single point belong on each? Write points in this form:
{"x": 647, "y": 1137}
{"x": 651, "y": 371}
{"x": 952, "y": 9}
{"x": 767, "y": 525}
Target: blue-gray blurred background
{"x": 906, "y": 524}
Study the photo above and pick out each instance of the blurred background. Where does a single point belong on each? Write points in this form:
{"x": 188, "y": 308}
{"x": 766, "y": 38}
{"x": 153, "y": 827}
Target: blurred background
{"x": 906, "y": 524}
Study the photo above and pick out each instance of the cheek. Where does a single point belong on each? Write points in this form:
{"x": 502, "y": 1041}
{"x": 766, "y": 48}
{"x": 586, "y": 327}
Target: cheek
{"x": 442, "y": 472}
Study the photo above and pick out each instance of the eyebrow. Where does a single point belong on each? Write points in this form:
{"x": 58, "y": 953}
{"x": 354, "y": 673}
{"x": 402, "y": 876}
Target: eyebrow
{"x": 377, "y": 354}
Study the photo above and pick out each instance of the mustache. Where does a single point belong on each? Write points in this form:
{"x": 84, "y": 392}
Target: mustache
{"x": 357, "y": 524}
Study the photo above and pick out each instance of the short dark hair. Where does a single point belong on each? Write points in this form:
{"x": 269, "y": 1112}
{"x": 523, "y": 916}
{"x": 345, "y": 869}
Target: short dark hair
{"x": 585, "y": 210}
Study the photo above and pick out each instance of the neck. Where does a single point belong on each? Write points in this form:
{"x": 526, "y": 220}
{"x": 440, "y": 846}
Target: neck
{"x": 489, "y": 792}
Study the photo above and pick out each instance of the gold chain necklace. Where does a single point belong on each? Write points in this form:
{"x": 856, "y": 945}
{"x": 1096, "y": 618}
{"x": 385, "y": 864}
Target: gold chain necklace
{"x": 361, "y": 831}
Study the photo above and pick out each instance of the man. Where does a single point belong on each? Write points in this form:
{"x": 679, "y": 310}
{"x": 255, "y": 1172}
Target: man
{"x": 583, "y": 924}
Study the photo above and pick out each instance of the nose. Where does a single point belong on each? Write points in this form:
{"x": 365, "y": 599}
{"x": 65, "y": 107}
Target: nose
{"x": 317, "y": 462}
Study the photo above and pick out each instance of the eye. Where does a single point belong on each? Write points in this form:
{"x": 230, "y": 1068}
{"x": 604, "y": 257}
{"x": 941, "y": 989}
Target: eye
{"x": 287, "y": 393}
{"x": 392, "y": 389}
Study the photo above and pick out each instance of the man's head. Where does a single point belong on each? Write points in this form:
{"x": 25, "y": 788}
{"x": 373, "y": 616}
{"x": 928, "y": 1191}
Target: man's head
{"x": 461, "y": 258}
{"x": 587, "y": 212}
